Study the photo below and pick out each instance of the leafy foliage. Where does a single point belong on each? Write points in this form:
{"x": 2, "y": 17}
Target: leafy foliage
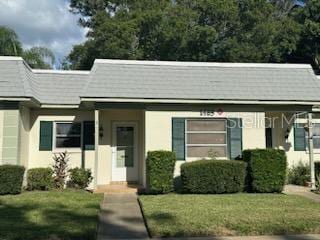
{"x": 160, "y": 168}
{"x": 266, "y": 171}
{"x": 39, "y": 57}
{"x": 9, "y": 42}
{"x": 80, "y": 178}
{"x": 215, "y": 30}
{"x": 317, "y": 173}
{"x": 40, "y": 178}
{"x": 60, "y": 169}
{"x": 11, "y": 177}
{"x": 36, "y": 57}
{"x": 213, "y": 176}
{"x": 308, "y": 49}
{"x": 299, "y": 174}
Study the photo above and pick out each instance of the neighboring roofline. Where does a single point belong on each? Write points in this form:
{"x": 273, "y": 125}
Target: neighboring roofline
{"x": 202, "y": 64}
{"x": 195, "y": 101}
{"x": 48, "y": 71}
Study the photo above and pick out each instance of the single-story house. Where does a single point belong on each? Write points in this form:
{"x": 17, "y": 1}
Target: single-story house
{"x": 110, "y": 117}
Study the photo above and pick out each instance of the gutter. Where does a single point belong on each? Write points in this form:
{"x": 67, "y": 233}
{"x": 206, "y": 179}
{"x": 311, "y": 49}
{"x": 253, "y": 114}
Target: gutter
{"x": 232, "y": 102}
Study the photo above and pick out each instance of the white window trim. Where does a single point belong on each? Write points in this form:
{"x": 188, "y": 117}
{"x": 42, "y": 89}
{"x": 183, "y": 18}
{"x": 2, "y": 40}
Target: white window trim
{"x": 56, "y": 149}
{"x": 186, "y": 132}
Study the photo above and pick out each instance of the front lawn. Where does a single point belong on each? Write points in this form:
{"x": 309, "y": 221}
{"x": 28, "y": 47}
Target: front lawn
{"x": 49, "y": 215}
{"x": 232, "y": 214}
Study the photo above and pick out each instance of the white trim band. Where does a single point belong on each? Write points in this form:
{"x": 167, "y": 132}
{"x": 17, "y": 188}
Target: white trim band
{"x": 201, "y": 64}
{"x": 233, "y": 102}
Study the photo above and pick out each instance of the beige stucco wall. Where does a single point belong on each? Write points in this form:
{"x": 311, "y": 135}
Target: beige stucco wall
{"x": 1, "y": 133}
{"x": 158, "y": 128}
{"x": 279, "y": 141}
{"x": 24, "y": 119}
{"x": 44, "y": 158}
{"x": 106, "y": 119}
{"x": 154, "y": 132}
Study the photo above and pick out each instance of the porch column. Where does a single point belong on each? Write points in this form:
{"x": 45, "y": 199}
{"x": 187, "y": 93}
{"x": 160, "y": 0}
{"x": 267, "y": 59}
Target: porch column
{"x": 96, "y": 146}
{"x": 310, "y": 138}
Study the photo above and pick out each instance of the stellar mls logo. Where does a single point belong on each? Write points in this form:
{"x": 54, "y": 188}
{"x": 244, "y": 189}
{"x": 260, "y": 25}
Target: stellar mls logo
{"x": 212, "y": 113}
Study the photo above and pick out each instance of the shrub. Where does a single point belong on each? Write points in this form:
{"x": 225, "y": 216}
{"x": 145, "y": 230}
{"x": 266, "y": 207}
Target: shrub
{"x": 60, "y": 168}
{"x": 213, "y": 176}
{"x": 11, "y": 177}
{"x": 317, "y": 168}
{"x": 317, "y": 173}
{"x": 160, "y": 169}
{"x": 40, "y": 178}
{"x": 266, "y": 172}
{"x": 79, "y": 178}
{"x": 299, "y": 174}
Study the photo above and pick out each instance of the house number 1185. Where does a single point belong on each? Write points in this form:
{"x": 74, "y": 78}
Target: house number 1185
{"x": 207, "y": 113}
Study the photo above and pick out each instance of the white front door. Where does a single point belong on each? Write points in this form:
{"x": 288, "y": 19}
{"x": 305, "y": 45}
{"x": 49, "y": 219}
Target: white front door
{"x": 125, "y": 152}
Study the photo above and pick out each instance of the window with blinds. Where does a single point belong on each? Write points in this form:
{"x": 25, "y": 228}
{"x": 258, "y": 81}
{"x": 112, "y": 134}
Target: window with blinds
{"x": 206, "y": 138}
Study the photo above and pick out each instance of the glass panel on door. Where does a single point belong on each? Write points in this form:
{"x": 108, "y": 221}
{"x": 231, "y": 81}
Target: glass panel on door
{"x": 125, "y": 147}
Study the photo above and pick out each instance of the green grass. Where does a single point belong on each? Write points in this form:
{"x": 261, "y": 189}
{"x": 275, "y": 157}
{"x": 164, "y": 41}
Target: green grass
{"x": 49, "y": 215}
{"x": 237, "y": 214}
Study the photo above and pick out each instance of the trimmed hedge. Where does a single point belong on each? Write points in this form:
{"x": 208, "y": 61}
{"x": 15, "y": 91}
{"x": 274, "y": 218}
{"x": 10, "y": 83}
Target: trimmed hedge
{"x": 317, "y": 168}
{"x": 213, "y": 176}
{"x": 11, "y": 178}
{"x": 40, "y": 178}
{"x": 160, "y": 169}
{"x": 317, "y": 172}
{"x": 79, "y": 178}
{"x": 266, "y": 172}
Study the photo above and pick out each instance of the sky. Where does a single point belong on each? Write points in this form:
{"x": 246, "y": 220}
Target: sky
{"x": 45, "y": 23}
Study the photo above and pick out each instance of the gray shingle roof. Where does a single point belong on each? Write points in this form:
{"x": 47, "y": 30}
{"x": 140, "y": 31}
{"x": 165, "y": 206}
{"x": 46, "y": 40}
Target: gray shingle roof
{"x": 203, "y": 81}
{"x": 160, "y": 80}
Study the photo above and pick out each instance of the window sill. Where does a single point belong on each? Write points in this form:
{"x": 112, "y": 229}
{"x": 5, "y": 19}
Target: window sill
{"x": 69, "y": 150}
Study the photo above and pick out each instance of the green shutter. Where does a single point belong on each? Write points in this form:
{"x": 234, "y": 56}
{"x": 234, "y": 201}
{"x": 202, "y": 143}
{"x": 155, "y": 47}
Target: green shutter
{"x": 178, "y": 137}
{"x": 45, "y": 136}
{"x": 299, "y": 137}
{"x": 235, "y": 137}
{"x": 88, "y": 135}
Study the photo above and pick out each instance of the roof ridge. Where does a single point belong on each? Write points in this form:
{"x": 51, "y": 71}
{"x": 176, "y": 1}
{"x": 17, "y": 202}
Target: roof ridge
{"x": 200, "y": 64}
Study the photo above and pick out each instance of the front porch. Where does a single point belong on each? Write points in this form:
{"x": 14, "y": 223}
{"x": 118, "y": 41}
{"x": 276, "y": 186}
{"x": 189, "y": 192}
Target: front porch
{"x": 119, "y": 150}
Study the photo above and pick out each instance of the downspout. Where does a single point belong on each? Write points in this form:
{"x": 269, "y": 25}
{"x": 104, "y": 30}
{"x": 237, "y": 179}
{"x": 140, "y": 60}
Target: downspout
{"x": 96, "y": 146}
{"x": 311, "y": 157}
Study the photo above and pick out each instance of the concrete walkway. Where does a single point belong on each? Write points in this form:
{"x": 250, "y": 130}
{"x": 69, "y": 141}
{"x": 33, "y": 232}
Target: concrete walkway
{"x": 121, "y": 218}
{"x": 301, "y": 191}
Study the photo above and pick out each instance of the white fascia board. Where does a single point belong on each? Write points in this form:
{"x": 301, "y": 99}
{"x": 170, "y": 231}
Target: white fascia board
{"x": 202, "y": 64}
{"x": 15, "y": 99}
{"x": 46, "y": 71}
{"x": 59, "y": 106}
{"x": 10, "y": 58}
{"x": 235, "y": 102}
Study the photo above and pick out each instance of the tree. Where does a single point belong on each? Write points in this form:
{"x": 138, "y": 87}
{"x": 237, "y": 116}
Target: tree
{"x": 284, "y": 7}
{"x": 36, "y": 57}
{"x": 9, "y": 42}
{"x": 308, "y": 49}
{"x": 185, "y": 30}
{"x": 39, "y": 57}
{"x": 262, "y": 35}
